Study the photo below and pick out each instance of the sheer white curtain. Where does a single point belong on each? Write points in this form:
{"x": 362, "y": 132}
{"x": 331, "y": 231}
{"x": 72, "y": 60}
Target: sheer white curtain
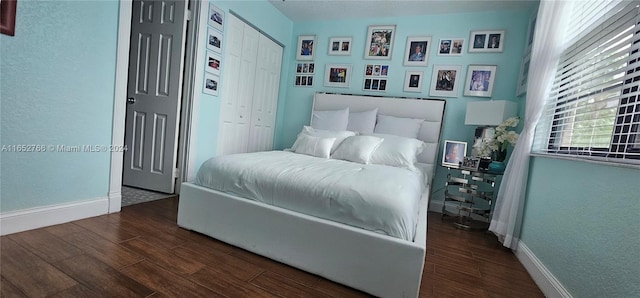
{"x": 547, "y": 47}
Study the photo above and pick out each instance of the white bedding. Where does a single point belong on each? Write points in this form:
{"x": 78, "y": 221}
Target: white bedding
{"x": 377, "y": 198}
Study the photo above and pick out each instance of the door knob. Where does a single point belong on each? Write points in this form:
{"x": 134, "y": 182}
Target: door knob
{"x": 131, "y": 100}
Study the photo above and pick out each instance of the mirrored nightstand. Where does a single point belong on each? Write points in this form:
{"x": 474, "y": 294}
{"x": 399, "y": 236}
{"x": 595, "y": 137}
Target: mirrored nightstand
{"x": 468, "y": 197}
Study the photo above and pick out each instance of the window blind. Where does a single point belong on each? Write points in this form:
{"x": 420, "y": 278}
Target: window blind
{"x": 593, "y": 109}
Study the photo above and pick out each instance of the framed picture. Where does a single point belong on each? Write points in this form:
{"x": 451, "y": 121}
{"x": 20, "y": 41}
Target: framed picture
{"x": 417, "y": 51}
{"x": 454, "y": 153}
{"x": 490, "y": 41}
{"x": 337, "y": 75}
{"x": 211, "y": 84}
{"x": 213, "y": 63}
{"x": 216, "y": 17}
{"x": 524, "y": 74}
{"x": 379, "y": 42}
{"x": 531, "y": 31}
{"x": 308, "y": 68}
{"x": 376, "y": 70}
{"x": 305, "y": 47}
{"x": 375, "y": 84}
{"x": 8, "y": 20}
{"x": 445, "y": 80}
{"x": 214, "y": 40}
{"x": 470, "y": 163}
{"x": 340, "y": 46}
{"x": 413, "y": 81}
{"x": 450, "y": 46}
{"x": 480, "y": 79}
{"x": 304, "y": 81}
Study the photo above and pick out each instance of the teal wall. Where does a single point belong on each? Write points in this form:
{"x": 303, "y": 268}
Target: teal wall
{"x": 582, "y": 220}
{"x": 271, "y": 22}
{"x": 297, "y": 108}
{"x": 57, "y": 79}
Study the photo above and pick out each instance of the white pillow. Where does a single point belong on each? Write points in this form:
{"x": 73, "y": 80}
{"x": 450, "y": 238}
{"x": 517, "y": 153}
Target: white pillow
{"x": 314, "y": 146}
{"x": 405, "y": 127}
{"x": 357, "y": 149}
{"x": 330, "y": 120}
{"x": 362, "y": 122}
{"x": 321, "y": 133}
{"x": 397, "y": 151}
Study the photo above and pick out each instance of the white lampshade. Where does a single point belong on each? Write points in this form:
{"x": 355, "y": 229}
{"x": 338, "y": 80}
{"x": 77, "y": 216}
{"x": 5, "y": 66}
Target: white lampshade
{"x": 489, "y": 113}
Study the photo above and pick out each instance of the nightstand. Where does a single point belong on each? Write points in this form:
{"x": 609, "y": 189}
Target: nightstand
{"x": 468, "y": 197}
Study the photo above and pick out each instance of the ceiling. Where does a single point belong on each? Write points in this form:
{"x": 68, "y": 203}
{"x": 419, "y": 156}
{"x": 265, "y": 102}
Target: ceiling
{"x": 316, "y": 10}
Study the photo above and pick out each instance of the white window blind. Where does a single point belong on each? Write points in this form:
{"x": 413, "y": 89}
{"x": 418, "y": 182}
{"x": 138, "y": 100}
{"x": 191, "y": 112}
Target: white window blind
{"x": 593, "y": 109}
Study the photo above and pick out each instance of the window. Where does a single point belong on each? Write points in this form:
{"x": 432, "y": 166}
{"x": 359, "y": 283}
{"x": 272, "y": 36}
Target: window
{"x": 593, "y": 109}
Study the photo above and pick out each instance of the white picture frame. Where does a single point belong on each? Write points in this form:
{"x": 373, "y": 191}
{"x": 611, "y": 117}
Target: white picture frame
{"x": 305, "y": 47}
{"x": 216, "y": 17}
{"x": 486, "y": 41}
{"x": 523, "y": 77}
{"x": 451, "y": 46}
{"x": 304, "y": 80}
{"x": 530, "y": 31}
{"x": 214, "y": 40}
{"x": 451, "y": 153}
{"x": 376, "y": 70}
{"x": 305, "y": 68}
{"x": 379, "y": 44}
{"x": 417, "y": 51}
{"x": 340, "y": 46}
{"x": 480, "y": 80}
{"x": 213, "y": 62}
{"x": 413, "y": 81}
{"x": 211, "y": 84}
{"x": 378, "y": 84}
{"x": 337, "y": 75}
{"x": 445, "y": 80}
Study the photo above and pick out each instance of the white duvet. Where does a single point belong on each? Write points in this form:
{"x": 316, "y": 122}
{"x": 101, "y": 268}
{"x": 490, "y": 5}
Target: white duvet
{"x": 374, "y": 197}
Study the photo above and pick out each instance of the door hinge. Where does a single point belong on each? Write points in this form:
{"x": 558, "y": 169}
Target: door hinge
{"x": 176, "y": 173}
{"x": 189, "y": 16}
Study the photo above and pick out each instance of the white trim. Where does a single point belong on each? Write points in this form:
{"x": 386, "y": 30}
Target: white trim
{"x": 119, "y": 105}
{"x": 549, "y": 284}
{"x": 197, "y": 94}
{"x": 546, "y": 281}
{"x": 34, "y": 218}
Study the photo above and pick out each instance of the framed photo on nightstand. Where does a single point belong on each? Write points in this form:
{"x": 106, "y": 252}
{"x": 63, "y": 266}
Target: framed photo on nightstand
{"x": 470, "y": 163}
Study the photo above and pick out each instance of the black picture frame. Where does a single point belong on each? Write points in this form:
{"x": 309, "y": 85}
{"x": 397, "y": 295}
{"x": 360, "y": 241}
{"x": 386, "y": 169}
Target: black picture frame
{"x": 470, "y": 163}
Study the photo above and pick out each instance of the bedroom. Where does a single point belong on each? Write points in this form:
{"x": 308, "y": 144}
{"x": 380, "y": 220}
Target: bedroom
{"x": 32, "y": 113}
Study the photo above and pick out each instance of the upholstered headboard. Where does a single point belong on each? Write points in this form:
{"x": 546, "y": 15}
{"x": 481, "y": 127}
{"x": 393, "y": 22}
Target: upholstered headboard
{"x": 431, "y": 110}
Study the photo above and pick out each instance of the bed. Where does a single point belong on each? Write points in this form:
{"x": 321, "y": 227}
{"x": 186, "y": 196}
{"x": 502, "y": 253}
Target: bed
{"x": 385, "y": 263}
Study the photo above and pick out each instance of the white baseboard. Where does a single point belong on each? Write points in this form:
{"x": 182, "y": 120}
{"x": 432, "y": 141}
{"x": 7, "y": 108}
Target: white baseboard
{"x": 115, "y": 201}
{"x": 548, "y": 284}
{"x": 29, "y": 219}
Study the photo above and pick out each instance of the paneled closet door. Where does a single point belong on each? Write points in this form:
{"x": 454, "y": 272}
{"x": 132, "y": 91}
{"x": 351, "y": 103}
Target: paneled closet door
{"x": 241, "y": 54}
{"x": 265, "y": 95}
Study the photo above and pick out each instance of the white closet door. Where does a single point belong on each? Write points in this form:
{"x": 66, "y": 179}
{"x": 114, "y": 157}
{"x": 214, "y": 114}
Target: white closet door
{"x": 241, "y": 54}
{"x": 265, "y": 95}
{"x": 228, "y": 115}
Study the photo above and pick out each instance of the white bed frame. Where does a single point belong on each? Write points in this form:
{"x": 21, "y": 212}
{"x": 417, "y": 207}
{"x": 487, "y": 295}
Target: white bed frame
{"x": 378, "y": 264}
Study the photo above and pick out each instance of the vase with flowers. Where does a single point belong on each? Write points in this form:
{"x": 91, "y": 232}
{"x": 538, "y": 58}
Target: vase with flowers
{"x": 495, "y": 145}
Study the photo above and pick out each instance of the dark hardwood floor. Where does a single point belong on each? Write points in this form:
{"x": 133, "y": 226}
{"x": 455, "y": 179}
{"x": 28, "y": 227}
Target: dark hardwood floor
{"x": 141, "y": 252}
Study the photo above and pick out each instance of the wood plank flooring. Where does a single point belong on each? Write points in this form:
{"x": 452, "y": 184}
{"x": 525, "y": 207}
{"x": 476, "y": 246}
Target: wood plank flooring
{"x": 141, "y": 252}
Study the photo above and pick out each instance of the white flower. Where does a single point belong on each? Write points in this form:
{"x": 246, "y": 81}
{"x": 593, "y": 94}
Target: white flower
{"x": 501, "y": 139}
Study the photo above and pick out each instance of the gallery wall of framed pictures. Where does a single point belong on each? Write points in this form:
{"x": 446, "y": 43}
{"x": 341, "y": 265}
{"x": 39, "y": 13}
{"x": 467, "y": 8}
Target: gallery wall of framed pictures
{"x": 213, "y": 59}
{"x": 420, "y": 55}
